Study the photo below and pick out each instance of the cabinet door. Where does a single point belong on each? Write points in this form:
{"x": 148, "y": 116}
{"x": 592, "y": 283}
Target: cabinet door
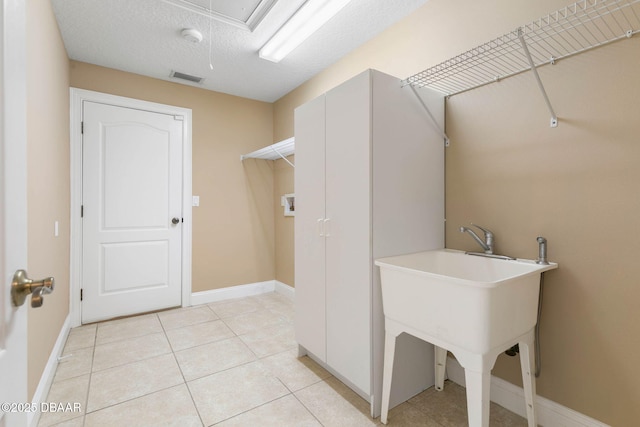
{"x": 348, "y": 270}
{"x": 310, "y": 315}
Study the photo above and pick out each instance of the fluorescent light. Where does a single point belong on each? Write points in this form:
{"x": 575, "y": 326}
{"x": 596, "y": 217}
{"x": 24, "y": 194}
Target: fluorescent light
{"x": 311, "y": 16}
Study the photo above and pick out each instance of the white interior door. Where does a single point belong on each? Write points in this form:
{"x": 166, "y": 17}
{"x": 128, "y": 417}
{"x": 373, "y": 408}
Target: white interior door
{"x": 13, "y": 209}
{"x": 132, "y": 211}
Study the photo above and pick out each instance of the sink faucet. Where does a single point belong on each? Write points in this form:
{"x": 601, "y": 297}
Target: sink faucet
{"x": 487, "y": 244}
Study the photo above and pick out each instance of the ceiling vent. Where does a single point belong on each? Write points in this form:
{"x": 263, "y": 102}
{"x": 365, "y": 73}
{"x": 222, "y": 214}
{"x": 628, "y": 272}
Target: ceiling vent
{"x": 187, "y": 77}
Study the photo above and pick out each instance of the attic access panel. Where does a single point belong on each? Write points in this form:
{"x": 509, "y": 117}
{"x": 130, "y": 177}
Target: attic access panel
{"x": 245, "y": 14}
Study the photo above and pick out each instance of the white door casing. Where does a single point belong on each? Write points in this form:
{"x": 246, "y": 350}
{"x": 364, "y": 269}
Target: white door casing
{"x": 13, "y": 208}
{"x": 132, "y": 179}
{"x": 133, "y": 254}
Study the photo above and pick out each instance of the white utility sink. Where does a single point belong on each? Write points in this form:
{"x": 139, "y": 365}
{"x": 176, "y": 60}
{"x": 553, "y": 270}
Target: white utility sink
{"x": 476, "y": 307}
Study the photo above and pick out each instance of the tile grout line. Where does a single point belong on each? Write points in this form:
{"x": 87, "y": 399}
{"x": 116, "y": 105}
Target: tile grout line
{"x": 235, "y": 335}
{"x": 251, "y": 409}
{"x": 305, "y": 406}
{"x": 152, "y": 392}
{"x": 131, "y": 318}
{"x": 86, "y": 398}
{"x": 186, "y": 384}
{"x": 193, "y": 307}
{"x": 258, "y": 358}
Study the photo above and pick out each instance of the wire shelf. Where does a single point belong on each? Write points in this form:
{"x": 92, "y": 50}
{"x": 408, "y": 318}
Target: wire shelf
{"x": 576, "y": 28}
{"x": 279, "y": 150}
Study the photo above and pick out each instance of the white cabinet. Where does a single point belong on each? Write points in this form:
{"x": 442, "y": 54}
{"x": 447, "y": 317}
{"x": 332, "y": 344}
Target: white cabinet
{"x": 369, "y": 183}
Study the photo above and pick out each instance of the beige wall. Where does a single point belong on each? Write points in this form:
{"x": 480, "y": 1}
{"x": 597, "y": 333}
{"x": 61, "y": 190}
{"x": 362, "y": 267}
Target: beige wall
{"x": 506, "y": 169}
{"x": 47, "y": 180}
{"x": 233, "y": 237}
{"x": 283, "y": 184}
{"x": 577, "y": 186}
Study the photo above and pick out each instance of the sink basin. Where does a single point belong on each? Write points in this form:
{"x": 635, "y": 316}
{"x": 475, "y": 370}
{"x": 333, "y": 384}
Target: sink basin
{"x": 476, "y": 307}
{"x": 471, "y": 302}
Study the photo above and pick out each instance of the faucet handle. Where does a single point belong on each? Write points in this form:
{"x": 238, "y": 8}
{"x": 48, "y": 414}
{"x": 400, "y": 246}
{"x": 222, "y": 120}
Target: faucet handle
{"x": 488, "y": 236}
{"x": 487, "y": 233}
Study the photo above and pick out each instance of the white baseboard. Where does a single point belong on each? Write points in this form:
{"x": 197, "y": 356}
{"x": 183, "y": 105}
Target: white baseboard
{"x": 286, "y": 290}
{"x": 231, "y": 292}
{"x": 511, "y": 397}
{"x": 42, "y": 391}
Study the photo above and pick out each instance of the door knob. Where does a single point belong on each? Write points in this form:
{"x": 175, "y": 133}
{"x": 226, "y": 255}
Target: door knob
{"x": 175, "y": 221}
{"x": 21, "y": 286}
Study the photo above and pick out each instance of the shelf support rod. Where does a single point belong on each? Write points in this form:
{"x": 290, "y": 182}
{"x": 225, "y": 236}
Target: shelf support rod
{"x": 283, "y": 157}
{"x": 433, "y": 119}
{"x": 554, "y": 117}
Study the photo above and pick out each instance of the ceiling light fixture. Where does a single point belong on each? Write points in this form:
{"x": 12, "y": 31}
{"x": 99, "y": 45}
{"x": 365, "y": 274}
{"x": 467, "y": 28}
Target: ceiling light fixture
{"x": 311, "y": 16}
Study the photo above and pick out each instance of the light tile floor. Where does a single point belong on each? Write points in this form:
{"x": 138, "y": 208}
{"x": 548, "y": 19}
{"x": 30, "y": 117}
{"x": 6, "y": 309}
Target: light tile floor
{"x": 230, "y": 363}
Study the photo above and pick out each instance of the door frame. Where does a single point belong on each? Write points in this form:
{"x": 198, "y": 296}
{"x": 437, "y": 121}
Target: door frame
{"x": 77, "y": 97}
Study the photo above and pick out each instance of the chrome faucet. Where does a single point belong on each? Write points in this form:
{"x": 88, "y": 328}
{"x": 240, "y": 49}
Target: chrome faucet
{"x": 487, "y": 244}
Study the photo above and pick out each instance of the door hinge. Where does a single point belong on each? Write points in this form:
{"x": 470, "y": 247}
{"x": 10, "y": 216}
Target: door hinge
{"x": 81, "y": 294}
{"x": 82, "y": 128}
{"x": 81, "y": 211}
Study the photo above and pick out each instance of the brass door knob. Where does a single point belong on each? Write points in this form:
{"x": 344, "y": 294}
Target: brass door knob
{"x": 21, "y": 286}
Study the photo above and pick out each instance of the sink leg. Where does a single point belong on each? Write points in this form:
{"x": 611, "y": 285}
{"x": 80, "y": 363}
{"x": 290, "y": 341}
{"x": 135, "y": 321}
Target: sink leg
{"x": 441, "y": 364}
{"x": 527, "y": 363}
{"x": 478, "y": 386}
{"x": 389, "y": 354}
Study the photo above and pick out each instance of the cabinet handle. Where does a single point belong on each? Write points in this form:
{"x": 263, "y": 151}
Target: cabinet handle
{"x": 320, "y": 227}
{"x": 327, "y": 228}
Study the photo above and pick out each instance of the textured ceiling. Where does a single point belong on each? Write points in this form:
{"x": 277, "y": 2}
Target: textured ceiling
{"x": 143, "y": 37}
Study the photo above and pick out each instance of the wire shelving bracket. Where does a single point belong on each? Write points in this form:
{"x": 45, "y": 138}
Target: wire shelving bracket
{"x": 433, "y": 119}
{"x": 574, "y": 29}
